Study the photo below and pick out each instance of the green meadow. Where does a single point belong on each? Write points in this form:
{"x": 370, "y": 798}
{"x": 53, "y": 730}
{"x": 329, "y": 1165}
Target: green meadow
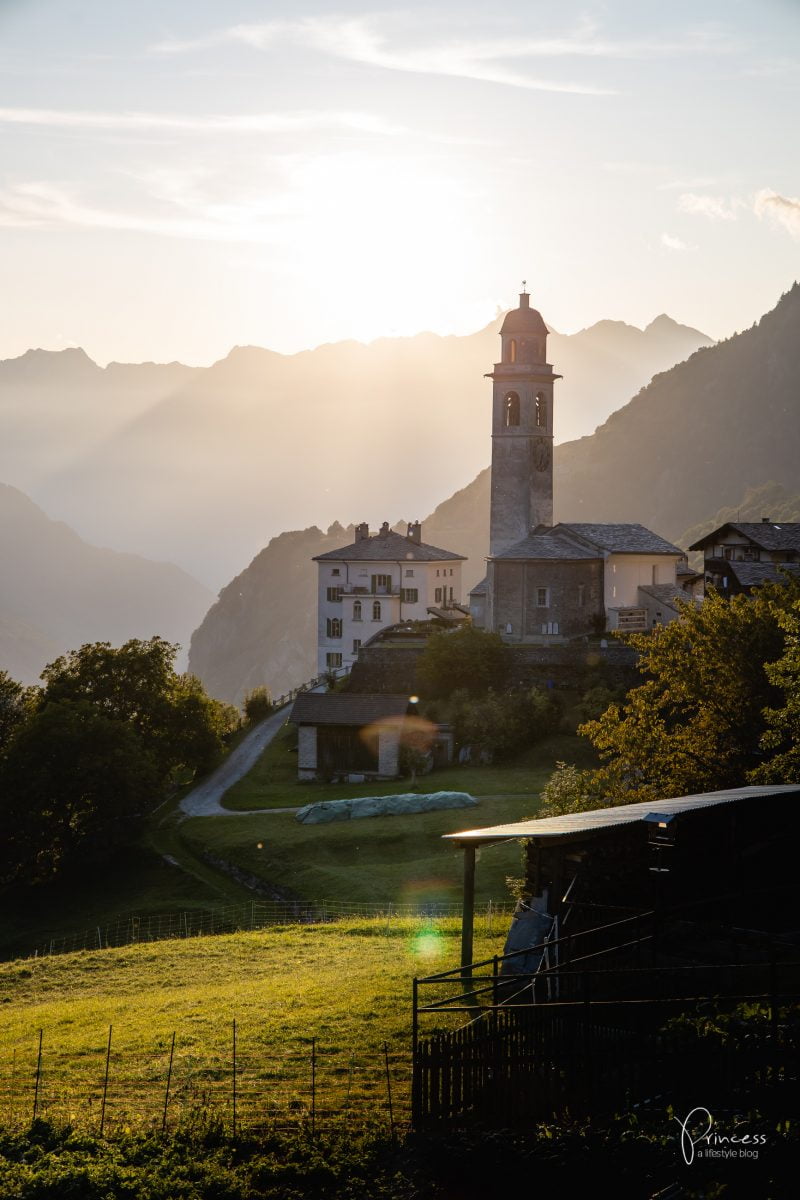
{"x": 345, "y": 985}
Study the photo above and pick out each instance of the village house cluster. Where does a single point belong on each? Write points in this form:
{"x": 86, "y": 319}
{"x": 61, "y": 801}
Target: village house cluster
{"x": 545, "y": 583}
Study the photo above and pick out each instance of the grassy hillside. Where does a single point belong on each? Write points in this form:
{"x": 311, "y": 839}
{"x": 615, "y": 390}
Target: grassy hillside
{"x": 273, "y": 782}
{"x": 176, "y": 866}
{"x": 377, "y": 859}
{"x": 347, "y": 985}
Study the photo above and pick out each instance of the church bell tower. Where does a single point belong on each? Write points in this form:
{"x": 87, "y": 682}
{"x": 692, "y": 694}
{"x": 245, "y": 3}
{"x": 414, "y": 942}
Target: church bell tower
{"x": 522, "y": 430}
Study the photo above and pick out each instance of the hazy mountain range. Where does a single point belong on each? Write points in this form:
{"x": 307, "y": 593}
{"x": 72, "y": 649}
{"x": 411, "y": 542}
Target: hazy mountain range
{"x": 677, "y": 458}
{"x": 56, "y": 591}
{"x": 202, "y": 466}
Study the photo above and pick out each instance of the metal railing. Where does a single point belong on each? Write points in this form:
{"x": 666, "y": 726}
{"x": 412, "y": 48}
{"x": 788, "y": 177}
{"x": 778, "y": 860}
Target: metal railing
{"x": 318, "y": 681}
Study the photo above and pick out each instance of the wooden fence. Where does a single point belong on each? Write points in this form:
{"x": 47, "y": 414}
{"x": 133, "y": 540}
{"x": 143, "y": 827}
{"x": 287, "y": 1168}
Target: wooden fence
{"x": 589, "y": 1028}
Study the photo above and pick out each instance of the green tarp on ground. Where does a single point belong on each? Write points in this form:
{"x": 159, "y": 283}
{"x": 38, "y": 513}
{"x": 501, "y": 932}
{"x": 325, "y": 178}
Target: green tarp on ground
{"x": 382, "y": 806}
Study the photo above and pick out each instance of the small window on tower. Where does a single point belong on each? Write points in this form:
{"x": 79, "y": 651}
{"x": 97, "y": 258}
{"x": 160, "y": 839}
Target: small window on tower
{"x": 511, "y": 410}
{"x": 541, "y": 410}
{"x": 512, "y": 350}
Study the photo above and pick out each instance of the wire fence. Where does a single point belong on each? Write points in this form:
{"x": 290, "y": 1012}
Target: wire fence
{"x": 245, "y": 1086}
{"x": 258, "y": 914}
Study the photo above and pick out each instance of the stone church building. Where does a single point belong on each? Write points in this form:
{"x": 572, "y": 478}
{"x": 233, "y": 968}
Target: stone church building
{"x": 547, "y": 582}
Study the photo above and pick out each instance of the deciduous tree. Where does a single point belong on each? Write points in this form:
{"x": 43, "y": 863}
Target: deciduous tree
{"x": 697, "y": 722}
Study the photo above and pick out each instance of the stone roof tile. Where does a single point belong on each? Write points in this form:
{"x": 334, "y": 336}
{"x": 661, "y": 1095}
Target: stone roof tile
{"x": 389, "y": 547}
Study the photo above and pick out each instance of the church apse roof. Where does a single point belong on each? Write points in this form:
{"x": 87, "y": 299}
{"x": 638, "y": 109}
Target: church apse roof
{"x": 622, "y": 538}
{"x": 548, "y": 544}
{"x": 570, "y": 542}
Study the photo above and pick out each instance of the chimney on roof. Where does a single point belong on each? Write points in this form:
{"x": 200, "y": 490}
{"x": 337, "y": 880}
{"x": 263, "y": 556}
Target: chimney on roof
{"x": 362, "y": 531}
{"x": 384, "y": 529}
{"x": 414, "y": 532}
{"x": 765, "y": 520}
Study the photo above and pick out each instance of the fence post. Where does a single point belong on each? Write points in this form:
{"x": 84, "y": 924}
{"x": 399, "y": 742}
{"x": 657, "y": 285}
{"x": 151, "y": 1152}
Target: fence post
{"x": 234, "y": 1077}
{"x": 350, "y": 1083}
{"x": 105, "y": 1083}
{"x": 12, "y": 1093}
{"x": 313, "y": 1086}
{"x": 389, "y": 1088}
{"x": 773, "y": 999}
{"x": 169, "y": 1080}
{"x": 38, "y": 1076}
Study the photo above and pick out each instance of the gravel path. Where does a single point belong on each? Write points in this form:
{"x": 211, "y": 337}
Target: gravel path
{"x": 204, "y": 800}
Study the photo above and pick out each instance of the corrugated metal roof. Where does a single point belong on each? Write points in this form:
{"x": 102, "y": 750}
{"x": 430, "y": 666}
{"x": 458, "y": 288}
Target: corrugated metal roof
{"x": 572, "y": 824}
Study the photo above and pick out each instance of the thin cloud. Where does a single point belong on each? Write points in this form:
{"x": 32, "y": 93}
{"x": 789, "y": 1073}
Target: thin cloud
{"x": 716, "y": 208}
{"x": 36, "y": 205}
{"x": 356, "y": 40}
{"x": 672, "y": 243}
{"x": 137, "y": 122}
{"x": 783, "y": 210}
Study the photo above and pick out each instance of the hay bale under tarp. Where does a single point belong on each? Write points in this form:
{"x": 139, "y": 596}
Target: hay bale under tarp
{"x": 382, "y": 806}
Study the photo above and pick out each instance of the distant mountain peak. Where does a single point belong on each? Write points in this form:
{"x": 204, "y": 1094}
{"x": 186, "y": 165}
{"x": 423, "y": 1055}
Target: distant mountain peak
{"x": 72, "y": 359}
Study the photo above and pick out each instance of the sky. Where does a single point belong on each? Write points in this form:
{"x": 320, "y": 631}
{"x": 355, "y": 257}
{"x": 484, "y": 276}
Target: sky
{"x": 182, "y": 176}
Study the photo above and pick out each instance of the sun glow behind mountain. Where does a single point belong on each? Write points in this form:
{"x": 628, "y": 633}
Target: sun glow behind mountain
{"x": 378, "y": 227}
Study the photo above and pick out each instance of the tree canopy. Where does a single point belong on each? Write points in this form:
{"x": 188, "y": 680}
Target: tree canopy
{"x": 719, "y": 706}
{"x": 96, "y": 748}
{"x": 467, "y": 659}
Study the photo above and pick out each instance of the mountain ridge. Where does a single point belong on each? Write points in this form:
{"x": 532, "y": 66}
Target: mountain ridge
{"x": 203, "y": 465}
{"x": 57, "y": 591}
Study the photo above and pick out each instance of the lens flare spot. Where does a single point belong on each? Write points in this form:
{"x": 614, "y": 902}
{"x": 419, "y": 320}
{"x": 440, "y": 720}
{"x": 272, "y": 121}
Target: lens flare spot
{"x": 427, "y": 944}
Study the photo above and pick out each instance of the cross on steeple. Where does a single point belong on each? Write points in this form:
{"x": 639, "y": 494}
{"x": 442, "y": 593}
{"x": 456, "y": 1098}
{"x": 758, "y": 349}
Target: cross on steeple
{"x": 524, "y": 284}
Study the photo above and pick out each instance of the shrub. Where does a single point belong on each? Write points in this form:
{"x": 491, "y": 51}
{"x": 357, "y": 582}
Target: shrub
{"x": 257, "y": 705}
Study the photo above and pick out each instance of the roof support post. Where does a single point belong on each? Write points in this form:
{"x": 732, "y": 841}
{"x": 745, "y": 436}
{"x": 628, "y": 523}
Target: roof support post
{"x": 468, "y": 907}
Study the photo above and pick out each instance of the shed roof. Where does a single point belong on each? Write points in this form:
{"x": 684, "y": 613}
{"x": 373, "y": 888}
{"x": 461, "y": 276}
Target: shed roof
{"x": 388, "y": 547}
{"x": 669, "y": 594}
{"x": 346, "y": 708}
{"x": 752, "y": 574}
{"x": 572, "y": 826}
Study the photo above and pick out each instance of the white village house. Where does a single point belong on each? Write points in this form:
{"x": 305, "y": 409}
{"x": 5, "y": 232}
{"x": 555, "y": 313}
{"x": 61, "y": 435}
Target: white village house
{"x": 379, "y": 580}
